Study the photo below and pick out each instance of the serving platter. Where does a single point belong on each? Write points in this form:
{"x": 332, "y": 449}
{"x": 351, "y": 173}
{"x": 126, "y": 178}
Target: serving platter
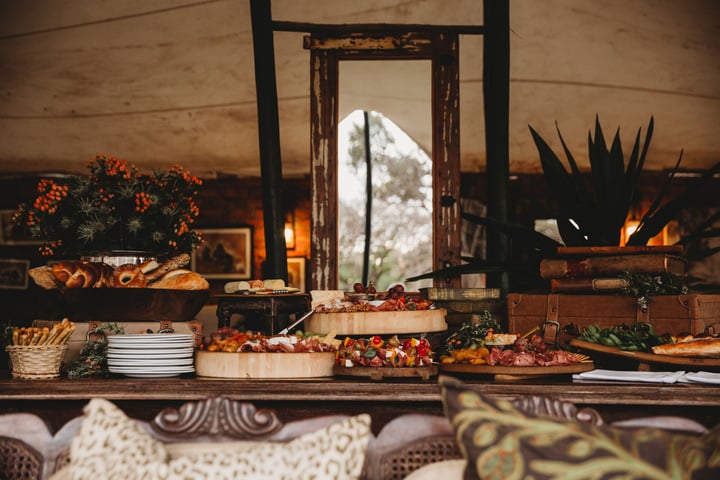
{"x": 378, "y": 373}
{"x": 643, "y": 357}
{"x": 379, "y": 323}
{"x": 255, "y": 365}
{"x": 579, "y": 367}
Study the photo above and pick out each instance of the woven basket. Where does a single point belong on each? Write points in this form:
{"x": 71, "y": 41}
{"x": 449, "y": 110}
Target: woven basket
{"x": 36, "y": 362}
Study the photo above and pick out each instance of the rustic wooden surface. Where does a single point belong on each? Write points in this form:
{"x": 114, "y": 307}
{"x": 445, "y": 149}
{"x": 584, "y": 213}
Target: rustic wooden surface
{"x": 60, "y": 400}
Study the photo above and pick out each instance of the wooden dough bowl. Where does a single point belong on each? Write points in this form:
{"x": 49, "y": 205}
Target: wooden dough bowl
{"x": 252, "y": 365}
{"x": 378, "y": 323}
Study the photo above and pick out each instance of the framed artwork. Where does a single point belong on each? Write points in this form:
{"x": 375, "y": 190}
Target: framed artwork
{"x": 225, "y": 253}
{"x": 10, "y": 233}
{"x": 14, "y": 274}
{"x": 296, "y": 272}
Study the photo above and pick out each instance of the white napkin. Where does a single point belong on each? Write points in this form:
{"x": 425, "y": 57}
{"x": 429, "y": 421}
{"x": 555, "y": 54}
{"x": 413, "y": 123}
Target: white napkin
{"x": 701, "y": 377}
{"x": 630, "y": 376}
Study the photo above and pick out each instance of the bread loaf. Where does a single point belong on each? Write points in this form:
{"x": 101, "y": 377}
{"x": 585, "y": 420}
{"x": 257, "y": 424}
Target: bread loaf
{"x": 696, "y": 347}
{"x": 81, "y": 274}
{"x": 181, "y": 279}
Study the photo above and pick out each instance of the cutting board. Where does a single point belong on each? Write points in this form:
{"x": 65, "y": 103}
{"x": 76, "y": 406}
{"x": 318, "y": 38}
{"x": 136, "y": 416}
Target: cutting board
{"x": 517, "y": 371}
{"x": 643, "y": 357}
{"x": 264, "y": 365}
{"x": 378, "y": 323}
{"x": 378, "y": 373}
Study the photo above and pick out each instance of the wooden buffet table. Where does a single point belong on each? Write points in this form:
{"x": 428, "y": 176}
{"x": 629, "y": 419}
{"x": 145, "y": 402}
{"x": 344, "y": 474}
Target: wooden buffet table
{"x": 60, "y": 400}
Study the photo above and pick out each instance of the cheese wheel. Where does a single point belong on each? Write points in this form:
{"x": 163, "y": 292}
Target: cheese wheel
{"x": 274, "y": 284}
{"x": 232, "y": 287}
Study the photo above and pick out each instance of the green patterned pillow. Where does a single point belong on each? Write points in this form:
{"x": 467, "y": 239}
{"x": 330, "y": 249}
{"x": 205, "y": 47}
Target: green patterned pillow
{"x": 109, "y": 446}
{"x": 503, "y": 443}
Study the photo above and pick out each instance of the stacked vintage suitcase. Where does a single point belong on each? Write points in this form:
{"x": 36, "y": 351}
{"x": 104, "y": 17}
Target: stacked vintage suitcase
{"x": 586, "y": 290}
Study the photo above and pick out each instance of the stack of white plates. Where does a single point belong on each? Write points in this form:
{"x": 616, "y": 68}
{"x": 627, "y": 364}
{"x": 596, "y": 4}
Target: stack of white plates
{"x": 151, "y": 355}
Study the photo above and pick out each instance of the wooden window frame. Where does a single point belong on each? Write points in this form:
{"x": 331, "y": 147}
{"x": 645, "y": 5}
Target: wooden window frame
{"x": 327, "y": 49}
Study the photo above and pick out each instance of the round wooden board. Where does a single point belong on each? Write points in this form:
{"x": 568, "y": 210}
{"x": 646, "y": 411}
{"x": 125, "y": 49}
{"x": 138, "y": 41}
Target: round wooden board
{"x": 646, "y": 357}
{"x": 378, "y": 323}
{"x": 378, "y": 373}
{"x": 519, "y": 371}
{"x": 264, "y": 365}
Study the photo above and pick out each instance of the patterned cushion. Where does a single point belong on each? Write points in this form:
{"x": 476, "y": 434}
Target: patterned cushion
{"x": 109, "y": 445}
{"x": 500, "y": 442}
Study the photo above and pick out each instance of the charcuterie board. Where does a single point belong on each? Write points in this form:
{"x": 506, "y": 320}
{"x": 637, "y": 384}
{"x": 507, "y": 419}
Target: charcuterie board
{"x": 378, "y": 373}
{"x": 643, "y": 357}
{"x": 518, "y": 371}
{"x": 379, "y": 323}
{"x": 252, "y": 365}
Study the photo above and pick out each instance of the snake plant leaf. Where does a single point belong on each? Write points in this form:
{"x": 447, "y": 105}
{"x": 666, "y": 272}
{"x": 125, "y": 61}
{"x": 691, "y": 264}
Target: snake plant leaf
{"x": 572, "y": 201}
{"x": 653, "y": 222}
{"x": 609, "y": 181}
{"x": 704, "y": 230}
{"x": 538, "y": 240}
{"x": 479, "y": 266}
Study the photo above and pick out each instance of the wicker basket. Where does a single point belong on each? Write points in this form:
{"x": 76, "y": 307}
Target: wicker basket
{"x": 36, "y": 362}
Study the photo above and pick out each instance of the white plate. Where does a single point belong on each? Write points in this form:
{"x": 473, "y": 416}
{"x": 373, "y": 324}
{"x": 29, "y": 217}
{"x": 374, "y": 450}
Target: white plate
{"x": 146, "y": 369}
{"x": 148, "y": 345}
{"x": 172, "y": 362}
{"x": 150, "y": 354}
{"x": 146, "y": 374}
{"x": 151, "y": 338}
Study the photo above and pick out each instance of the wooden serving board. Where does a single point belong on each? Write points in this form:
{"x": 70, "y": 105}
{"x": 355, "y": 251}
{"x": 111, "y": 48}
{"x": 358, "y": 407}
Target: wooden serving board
{"x": 643, "y": 357}
{"x": 378, "y": 373}
{"x": 378, "y": 323}
{"x": 264, "y": 365}
{"x": 517, "y": 371}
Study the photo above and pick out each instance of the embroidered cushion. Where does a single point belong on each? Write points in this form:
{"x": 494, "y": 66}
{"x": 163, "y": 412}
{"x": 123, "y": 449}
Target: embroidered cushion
{"x": 110, "y": 445}
{"x": 503, "y": 443}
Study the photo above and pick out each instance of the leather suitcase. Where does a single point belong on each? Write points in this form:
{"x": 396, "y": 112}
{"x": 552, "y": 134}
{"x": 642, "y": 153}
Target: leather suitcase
{"x": 558, "y": 316}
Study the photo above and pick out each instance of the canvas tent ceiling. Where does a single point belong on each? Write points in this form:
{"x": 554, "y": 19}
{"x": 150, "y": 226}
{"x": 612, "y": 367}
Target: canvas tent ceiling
{"x": 172, "y": 81}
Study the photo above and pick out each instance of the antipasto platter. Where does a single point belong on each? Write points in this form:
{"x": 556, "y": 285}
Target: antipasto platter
{"x": 643, "y": 357}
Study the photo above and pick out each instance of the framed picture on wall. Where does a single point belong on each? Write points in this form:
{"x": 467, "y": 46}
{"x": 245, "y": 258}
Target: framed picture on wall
{"x": 226, "y": 253}
{"x": 10, "y": 233}
{"x": 14, "y": 274}
{"x": 296, "y": 273}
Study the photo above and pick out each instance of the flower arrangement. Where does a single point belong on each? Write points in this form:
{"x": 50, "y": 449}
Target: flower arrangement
{"x": 113, "y": 208}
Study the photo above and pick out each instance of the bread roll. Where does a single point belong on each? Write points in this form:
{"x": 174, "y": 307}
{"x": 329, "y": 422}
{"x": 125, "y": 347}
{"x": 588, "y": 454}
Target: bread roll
{"x": 128, "y": 276}
{"x": 43, "y": 277}
{"x": 171, "y": 264}
{"x": 181, "y": 280}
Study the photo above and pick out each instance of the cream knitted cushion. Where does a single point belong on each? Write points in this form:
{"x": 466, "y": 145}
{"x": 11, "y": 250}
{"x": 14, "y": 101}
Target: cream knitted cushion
{"x": 109, "y": 445}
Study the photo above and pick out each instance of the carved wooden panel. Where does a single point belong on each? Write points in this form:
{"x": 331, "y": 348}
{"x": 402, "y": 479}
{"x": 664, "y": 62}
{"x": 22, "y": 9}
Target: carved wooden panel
{"x": 216, "y": 416}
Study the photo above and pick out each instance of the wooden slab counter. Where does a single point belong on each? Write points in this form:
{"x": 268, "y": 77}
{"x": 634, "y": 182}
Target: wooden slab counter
{"x": 57, "y": 401}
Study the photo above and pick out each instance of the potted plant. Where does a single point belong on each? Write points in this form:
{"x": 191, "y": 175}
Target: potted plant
{"x": 113, "y": 208}
{"x": 590, "y": 212}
